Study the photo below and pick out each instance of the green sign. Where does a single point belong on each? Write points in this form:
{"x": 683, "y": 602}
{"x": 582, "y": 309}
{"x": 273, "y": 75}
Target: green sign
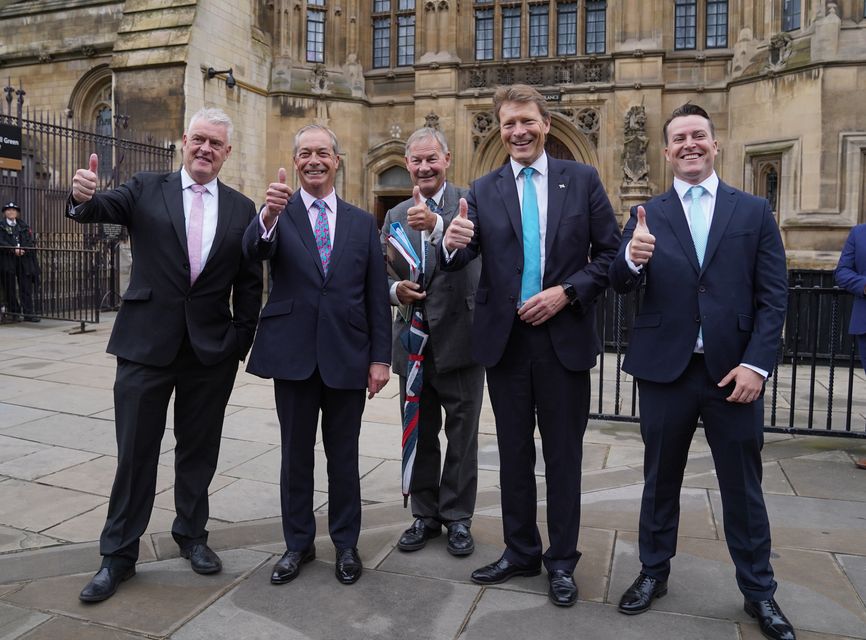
{"x": 10, "y": 147}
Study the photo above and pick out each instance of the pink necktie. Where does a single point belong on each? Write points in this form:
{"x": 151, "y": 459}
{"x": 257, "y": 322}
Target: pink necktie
{"x": 323, "y": 235}
{"x": 193, "y": 236}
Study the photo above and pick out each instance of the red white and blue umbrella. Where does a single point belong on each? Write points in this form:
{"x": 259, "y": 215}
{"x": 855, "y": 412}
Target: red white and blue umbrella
{"x": 413, "y": 341}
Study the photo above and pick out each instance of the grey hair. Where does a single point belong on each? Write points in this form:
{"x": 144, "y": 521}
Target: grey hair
{"x": 427, "y": 132}
{"x": 214, "y": 116}
{"x": 335, "y": 146}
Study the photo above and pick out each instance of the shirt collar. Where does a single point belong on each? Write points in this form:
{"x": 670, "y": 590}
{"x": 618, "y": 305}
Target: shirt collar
{"x": 186, "y": 181}
{"x": 330, "y": 200}
{"x": 710, "y": 185}
{"x": 11, "y": 223}
{"x": 439, "y": 196}
{"x": 539, "y": 165}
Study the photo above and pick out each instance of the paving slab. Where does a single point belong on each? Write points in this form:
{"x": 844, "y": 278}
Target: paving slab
{"x": 24, "y": 367}
{"x": 12, "y": 449}
{"x": 92, "y": 375}
{"x": 58, "y": 560}
{"x": 13, "y": 415}
{"x": 257, "y": 425}
{"x": 12, "y": 539}
{"x": 75, "y": 399}
{"x": 248, "y": 500}
{"x": 855, "y": 568}
{"x": 501, "y": 613}
{"x": 159, "y": 599}
{"x": 378, "y": 441}
{"x": 87, "y": 527}
{"x": 826, "y": 477}
{"x": 374, "y": 607}
{"x": 45, "y": 462}
{"x": 774, "y": 480}
{"x": 253, "y": 395}
{"x": 73, "y": 432}
{"x": 610, "y": 478}
{"x": 15, "y": 621}
{"x": 810, "y": 523}
{"x": 62, "y": 628}
{"x": 35, "y": 507}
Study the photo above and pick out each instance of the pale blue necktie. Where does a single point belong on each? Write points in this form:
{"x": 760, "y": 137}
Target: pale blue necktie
{"x": 530, "y": 283}
{"x": 700, "y": 231}
{"x": 698, "y": 223}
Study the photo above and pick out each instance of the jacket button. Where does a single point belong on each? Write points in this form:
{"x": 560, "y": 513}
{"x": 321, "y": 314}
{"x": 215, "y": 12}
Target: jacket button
{"x": 697, "y": 318}
{"x": 512, "y": 299}
{"x": 186, "y": 267}
{"x": 324, "y": 293}
{"x": 702, "y": 289}
{"x": 519, "y": 270}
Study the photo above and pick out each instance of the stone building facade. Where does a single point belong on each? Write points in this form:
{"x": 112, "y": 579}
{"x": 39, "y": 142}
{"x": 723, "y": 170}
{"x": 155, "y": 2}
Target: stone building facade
{"x": 784, "y": 81}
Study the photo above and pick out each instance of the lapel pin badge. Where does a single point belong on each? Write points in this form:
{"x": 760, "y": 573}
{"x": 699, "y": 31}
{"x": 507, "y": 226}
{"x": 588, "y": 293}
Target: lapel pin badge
{"x": 562, "y": 186}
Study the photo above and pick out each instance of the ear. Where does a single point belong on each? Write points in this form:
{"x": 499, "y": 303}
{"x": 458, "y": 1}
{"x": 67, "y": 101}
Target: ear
{"x": 228, "y": 150}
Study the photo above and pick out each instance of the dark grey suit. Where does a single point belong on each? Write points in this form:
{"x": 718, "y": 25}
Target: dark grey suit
{"x": 453, "y": 381}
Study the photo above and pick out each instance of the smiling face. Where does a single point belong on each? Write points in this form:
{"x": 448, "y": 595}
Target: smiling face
{"x": 427, "y": 164}
{"x": 691, "y": 149}
{"x": 10, "y": 213}
{"x": 523, "y": 130}
{"x": 316, "y": 162}
{"x": 205, "y": 149}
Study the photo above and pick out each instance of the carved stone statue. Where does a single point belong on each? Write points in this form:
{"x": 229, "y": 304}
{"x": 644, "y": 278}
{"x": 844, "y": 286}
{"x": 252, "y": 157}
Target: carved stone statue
{"x": 634, "y": 163}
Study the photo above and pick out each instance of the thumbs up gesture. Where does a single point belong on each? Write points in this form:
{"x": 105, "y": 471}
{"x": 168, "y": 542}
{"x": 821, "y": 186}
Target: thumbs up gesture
{"x": 419, "y": 215}
{"x": 84, "y": 181}
{"x": 459, "y": 233}
{"x": 642, "y": 241}
{"x": 276, "y": 199}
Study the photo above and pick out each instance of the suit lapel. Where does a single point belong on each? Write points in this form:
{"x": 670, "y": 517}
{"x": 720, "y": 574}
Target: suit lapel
{"x": 726, "y": 200}
{"x": 341, "y": 237}
{"x": 298, "y": 215}
{"x": 507, "y": 186}
{"x": 672, "y": 209}
{"x": 557, "y": 187}
{"x": 172, "y": 192}
{"x": 224, "y": 214}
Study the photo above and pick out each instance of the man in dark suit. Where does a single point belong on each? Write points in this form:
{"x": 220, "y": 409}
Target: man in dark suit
{"x": 548, "y": 234}
{"x": 851, "y": 276}
{"x": 188, "y": 316}
{"x": 452, "y": 380}
{"x": 705, "y": 340}
{"x": 18, "y": 265}
{"x": 323, "y": 337}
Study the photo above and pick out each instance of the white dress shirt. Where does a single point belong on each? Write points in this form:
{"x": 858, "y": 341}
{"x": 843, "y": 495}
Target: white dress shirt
{"x": 330, "y": 201}
{"x": 210, "y": 197}
{"x": 539, "y": 180}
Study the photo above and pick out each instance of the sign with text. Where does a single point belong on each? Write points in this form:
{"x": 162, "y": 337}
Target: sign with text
{"x": 10, "y": 147}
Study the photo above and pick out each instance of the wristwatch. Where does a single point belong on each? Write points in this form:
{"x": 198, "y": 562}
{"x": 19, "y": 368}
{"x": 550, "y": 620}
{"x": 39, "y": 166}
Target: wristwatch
{"x": 570, "y": 293}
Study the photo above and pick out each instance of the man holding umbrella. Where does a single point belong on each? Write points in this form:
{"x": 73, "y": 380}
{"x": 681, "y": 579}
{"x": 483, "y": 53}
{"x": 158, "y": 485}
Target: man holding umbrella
{"x": 441, "y": 304}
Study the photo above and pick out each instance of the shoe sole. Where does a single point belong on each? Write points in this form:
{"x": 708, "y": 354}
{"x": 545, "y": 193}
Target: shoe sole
{"x": 562, "y": 604}
{"x": 527, "y": 573}
{"x": 352, "y": 581}
{"x": 107, "y": 595}
{"x": 634, "y": 612}
{"x": 461, "y": 552}
{"x": 303, "y": 562}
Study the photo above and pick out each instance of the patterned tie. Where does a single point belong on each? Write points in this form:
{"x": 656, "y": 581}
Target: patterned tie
{"x": 435, "y": 208}
{"x": 193, "y": 235}
{"x": 530, "y": 282}
{"x": 698, "y": 223}
{"x": 323, "y": 235}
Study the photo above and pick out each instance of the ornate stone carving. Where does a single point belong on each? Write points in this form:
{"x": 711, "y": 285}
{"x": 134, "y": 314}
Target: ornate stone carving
{"x": 588, "y": 121}
{"x": 319, "y": 82}
{"x": 477, "y": 78}
{"x": 780, "y": 51}
{"x": 482, "y": 124}
{"x": 634, "y": 163}
{"x": 395, "y": 130}
{"x": 535, "y": 75}
{"x": 431, "y": 120}
{"x": 88, "y": 51}
{"x": 505, "y": 75}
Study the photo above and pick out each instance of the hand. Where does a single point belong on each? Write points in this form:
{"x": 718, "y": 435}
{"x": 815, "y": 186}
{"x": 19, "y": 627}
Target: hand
{"x": 84, "y": 181}
{"x": 459, "y": 233}
{"x": 377, "y": 378}
{"x": 19, "y": 252}
{"x": 543, "y": 306}
{"x": 276, "y": 199}
{"x": 419, "y": 215}
{"x": 642, "y": 241}
{"x": 409, "y": 292}
{"x": 748, "y": 387}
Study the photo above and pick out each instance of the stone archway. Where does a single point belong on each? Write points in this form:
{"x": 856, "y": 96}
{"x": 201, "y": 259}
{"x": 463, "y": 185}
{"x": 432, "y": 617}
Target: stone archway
{"x": 385, "y": 182}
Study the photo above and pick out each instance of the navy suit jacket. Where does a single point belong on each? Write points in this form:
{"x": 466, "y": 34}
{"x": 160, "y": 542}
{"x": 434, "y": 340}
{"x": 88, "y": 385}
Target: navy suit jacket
{"x": 582, "y": 239}
{"x": 851, "y": 276}
{"x": 160, "y": 306}
{"x": 340, "y": 323}
{"x": 738, "y": 296}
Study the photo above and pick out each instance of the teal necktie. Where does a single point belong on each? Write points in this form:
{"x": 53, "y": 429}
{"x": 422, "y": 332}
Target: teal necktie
{"x": 698, "y": 223}
{"x": 530, "y": 282}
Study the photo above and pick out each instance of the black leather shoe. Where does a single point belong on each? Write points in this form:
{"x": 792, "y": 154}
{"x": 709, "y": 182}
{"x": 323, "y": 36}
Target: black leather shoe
{"x": 639, "y": 596}
{"x": 103, "y": 585}
{"x": 202, "y": 559}
{"x": 563, "y": 591}
{"x": 349, "y": 567}
{"x": 33, "y": 318}
{"x": 289, "y": 566}
{"x": 460, "y": 542}
{"x": 500, "y": 571}
{"x": 416, "y": 536}
{"x": 771, "y": 620}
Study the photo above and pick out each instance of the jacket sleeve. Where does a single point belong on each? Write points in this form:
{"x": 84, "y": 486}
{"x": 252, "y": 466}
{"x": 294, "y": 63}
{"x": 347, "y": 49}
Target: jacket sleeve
{"x": 622, "y": 279}
{"x": 247, "y": 294}
{"x": 846, "y": 271}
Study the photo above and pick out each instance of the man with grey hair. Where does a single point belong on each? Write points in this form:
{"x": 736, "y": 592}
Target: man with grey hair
{"x": 323, "y": 337}
{"x": 452, "y": 380}
{"x": 187, "y": 318}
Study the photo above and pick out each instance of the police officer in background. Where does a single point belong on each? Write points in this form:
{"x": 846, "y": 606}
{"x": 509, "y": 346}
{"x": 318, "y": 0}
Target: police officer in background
{"x": 18, "y": 266}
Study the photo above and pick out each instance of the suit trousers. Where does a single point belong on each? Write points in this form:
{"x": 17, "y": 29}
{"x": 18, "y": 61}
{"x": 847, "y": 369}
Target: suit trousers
{"x": 528, "y": 382}
{"x": 449, "y": 497}
{"x": 735, "y": 433}
{"x": 141, "y": 396}
{"x": 298, "y": 405}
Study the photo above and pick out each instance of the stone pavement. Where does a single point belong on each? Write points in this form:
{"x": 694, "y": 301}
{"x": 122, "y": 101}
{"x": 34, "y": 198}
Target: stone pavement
{"x": 57, "y": 461}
